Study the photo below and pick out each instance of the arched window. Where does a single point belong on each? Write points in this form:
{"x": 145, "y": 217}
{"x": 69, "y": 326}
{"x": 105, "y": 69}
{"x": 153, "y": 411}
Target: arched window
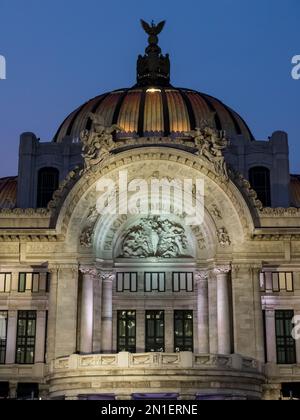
{"x": 259, "y": 178}
{"x": 48, "y": 181}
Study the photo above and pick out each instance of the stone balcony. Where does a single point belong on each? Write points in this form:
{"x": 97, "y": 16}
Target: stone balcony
{"x": 186, "y": 374}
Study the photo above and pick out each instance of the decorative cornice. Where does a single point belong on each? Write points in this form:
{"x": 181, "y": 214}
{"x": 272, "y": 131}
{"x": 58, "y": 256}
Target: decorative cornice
{"x": 276, "y": 237}
{"x": 42, "y": 212}
{"x": 280, "y": 212}
{"x": 31, "y": 238}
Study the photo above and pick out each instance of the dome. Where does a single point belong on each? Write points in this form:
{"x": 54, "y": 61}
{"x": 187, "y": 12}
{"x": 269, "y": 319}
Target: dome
{"x": 8, "y": 192}
{"x": 153, "y": 107}
{"x": 154, "y": 111}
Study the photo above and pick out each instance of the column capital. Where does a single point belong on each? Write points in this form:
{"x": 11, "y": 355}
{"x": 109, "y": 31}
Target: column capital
{"x": 107, "y": 275}
{"x": 222, "y": 269}
{"x": 89, "y": 270}
{"x": 201, "y": 276}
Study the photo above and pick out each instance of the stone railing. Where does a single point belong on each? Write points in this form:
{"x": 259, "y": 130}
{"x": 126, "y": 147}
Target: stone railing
{"x": 184, "y": 360}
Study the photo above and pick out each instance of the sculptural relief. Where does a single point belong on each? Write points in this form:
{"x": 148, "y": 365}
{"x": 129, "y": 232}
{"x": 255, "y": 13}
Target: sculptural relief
{"x": 210, "y": 144}
{"x": 98, "y": 142}
{"x": 155, "y": 237}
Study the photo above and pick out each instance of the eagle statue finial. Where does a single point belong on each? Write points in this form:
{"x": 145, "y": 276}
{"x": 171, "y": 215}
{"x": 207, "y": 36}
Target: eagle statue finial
{"x": 153, "y": 30}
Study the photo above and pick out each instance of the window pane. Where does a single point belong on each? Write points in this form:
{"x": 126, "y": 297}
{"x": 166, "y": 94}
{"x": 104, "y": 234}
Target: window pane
{"x": 120, "y": 282}
{"x": 42, "y": 282}
{"x": 190, "y": 285}
{"x": 282, "y": 285}
{"x": 48, "y": 181}
{"x": 2, "y": 283}
{"x": 35, "y": 282}
{"x": 183, "y": 331}
{"x": 289, "y": 282}
{"x": 285, "y": 344}
{"x": 154, "y": 331}
{"x": 126, "y": 281}
{"x": 176, "y": 282}
{"x": 134, "y": 282}
{"x": 8, "y": 282}
{"x": 22, "y": 281}
{"x": 275, "y": 280}
{"x": 26, "y": 337}
{"x": 161, "y": 282}
{"x": 148, "y": 282}
{"x": 154, "y": 281}
{"x": 182, "y": 281}
{"x": 126, "y": 331}
{"x": 28, "y": 281}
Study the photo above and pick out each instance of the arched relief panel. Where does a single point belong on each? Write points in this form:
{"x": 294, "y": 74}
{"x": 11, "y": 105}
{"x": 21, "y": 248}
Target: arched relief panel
{"x": 226, "y": 212}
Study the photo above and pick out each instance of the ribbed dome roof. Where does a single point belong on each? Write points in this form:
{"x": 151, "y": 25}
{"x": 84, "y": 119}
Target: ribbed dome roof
{"x": 154, "y": 111}
{"x": 8, "y": 192}
{"x": 153, "y": 107}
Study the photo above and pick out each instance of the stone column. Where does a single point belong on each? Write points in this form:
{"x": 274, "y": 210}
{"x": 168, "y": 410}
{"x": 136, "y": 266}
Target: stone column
{"x": 271, "y": 336}
{"x": 97, "y": 314}
{"x": 51, "y": 330}
{"x": 11, "y": 337}
{"x": 224, "y": 325}
{"x": 87, "y": 309}
{"x": 107, "y": 327}
{"x": 64, "y": 317}
{"x": 201, "y": 278}
{"x": 40, "y": 337}
{"x": 140, "y": 331}
{"x": 169, "y": 331}
{"x": 258, "y": 315}
{"x": 213, "y": 317}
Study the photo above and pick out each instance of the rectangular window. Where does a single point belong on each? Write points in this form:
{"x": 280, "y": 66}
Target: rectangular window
{"x": 127, "y": 282}
{"x": 5, "y": 282}
{"x": 183, "y": 282}
{"x": 278, "y": 281}
{"x": 33, "y": 282}
{"x": 155, "y": 331}
{"x": 285, "y": 344}
{"x": 3, "y": 335}
{"x": 127, "y": 331}
{"x": 155, "y": 282}
{"x": 26, "y": 337}
{"x": 183, "y": 331}
{"x": 282, "y": 282}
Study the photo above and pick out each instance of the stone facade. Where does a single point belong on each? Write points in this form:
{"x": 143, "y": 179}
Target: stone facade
{"x": 82, "y": 302}
{"x": 237, "y": 272}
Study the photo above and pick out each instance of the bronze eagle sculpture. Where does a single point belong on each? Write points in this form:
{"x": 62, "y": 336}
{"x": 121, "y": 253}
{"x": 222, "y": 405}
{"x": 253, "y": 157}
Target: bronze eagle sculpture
{"x": 153, "y": 30}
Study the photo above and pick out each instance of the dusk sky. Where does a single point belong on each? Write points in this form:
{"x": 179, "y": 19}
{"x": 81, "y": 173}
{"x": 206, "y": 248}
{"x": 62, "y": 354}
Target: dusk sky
{"x": 61, "y": 53}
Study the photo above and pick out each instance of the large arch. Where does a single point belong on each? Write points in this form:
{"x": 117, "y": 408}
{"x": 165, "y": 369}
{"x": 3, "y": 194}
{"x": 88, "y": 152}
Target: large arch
{"x": 226, "y": 209}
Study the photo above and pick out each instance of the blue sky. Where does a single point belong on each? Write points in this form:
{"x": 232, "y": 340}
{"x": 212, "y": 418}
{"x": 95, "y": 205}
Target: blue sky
{"x": 60, "y": 53}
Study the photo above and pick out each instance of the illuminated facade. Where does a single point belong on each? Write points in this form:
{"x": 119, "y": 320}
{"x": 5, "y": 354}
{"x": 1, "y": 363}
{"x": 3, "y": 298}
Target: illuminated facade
{"x": 141, "y": 306}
